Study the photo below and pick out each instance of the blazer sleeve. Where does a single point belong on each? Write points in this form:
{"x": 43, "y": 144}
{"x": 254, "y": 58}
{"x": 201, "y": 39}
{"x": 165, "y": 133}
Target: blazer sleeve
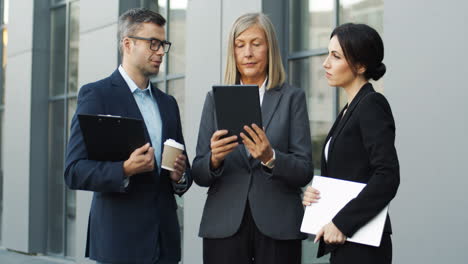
{"x": 295, "y": 168}
{"x": 80, "y": 172}
{"x": 202, "y": 173}
{"x": 180, "y": 189}
{"x": 377, "y": 129}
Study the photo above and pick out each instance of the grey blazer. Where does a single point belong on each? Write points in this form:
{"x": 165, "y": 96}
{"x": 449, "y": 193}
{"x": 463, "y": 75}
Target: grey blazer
{"x": 274, "y": 195}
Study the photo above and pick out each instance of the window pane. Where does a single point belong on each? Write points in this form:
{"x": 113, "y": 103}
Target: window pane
{"x": 309, "y": 75}
{"x": 363, "y": 11}
{"x": 3, "y": 61}
{"x": 369, "y": 12}
{"x": 176, "y": 88}
{"x": 56, "y": 184}
{"x": 162, "y": 7}
{"x": 1, "y": 172}
{"x": 73, "y": 47}
{"x": 57, "y": 1}
{"x": 71, "y": 195}
{"x": 57, "y": 51}
{"x": 310, "y": 25}
{"x": 176, "y": 35}
{"x": 71, "y": 222}
{"x": 151, "y": 5}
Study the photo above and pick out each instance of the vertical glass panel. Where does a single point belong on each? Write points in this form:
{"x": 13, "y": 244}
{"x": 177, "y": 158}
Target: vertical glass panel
{"x": 3, "y": 59}
{"x": 57, "y": 1}
{"x": 73, "y": 47}
{"x": 57, "y": 51}
{"x": 363, "y": 11}
{"x": 70, "y": 113}
{"x": 55, "y": 182}
{"x": 310, "y": 24}
{"x": 309, "y": 75}
{"x": 176, "y": 88}
{"x": 151, "y": 5}
{"x": 71, "y": 222}
{"x": 369, "y": 12}
{"x": 70, "y": 195}
{"x": 162, "y": 7}
{"x": 160, "y": 85}
{"x": 1, "y": 173}
{"x": 176, "y": 35}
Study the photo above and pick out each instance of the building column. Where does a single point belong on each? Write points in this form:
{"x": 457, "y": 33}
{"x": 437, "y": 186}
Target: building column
{"x": 25, "y": 129}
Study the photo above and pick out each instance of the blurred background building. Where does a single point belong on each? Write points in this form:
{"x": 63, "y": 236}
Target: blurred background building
{"x": 50, "y": 48}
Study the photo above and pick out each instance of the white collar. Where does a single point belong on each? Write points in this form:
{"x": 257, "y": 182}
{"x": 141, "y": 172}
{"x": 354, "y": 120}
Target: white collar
{"x": 263, "y": 87}
{"x": 131, "y": 84}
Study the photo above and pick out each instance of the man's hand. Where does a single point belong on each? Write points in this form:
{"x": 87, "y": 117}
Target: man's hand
{"x": 221, "y": 147}
{"x": 141, "y": 160}
{"x": 179, "y": 168}
{"x": 331, "y": 234}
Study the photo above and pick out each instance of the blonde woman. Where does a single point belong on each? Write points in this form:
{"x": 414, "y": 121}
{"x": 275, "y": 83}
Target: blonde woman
{"x": 253, "y": 210}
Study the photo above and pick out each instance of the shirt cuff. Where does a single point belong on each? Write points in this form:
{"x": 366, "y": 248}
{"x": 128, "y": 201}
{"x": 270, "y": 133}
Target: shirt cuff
{"x": 126, "y": 182}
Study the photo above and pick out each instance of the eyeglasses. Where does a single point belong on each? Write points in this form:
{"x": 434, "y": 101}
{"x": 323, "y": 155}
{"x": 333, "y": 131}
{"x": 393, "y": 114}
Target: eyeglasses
{"x": 155, "y": 43}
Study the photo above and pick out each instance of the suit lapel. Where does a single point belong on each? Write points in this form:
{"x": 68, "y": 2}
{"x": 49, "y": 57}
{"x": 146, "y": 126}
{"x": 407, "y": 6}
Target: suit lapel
{"x": 330, "y": 133}
{"x": 341, "y": 120}
{"x": 271, "y": 99}
{"x": 123, "y": 95}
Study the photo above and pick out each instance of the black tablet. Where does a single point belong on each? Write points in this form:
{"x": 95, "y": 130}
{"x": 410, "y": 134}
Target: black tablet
{"x": 111, "y": 138}
{"x": 236, "y": 106}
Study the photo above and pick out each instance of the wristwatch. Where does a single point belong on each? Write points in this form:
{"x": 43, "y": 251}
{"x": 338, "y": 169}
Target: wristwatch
{"x": 271, "y": 163}
{"x": 182, "y": 179}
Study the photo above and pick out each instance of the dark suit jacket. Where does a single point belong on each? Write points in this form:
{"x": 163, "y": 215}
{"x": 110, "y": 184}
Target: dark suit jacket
{"x": 125, "y": 224}
{"x": 274, "y": 196}
{"x": 362, "y": 149}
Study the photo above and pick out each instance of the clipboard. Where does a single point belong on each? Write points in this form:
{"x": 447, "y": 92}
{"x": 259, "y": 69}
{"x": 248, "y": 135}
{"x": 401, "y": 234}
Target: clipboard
{"x": 236, "y": 106}
{"x": 111, "y": 138}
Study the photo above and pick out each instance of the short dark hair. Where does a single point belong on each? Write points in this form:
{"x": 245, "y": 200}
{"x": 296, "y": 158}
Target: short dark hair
{"x": 131, "y": 20}
{"x": 362, "y": 46}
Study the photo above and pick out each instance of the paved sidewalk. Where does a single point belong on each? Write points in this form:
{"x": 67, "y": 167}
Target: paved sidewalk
{"x": 11, "y": 257}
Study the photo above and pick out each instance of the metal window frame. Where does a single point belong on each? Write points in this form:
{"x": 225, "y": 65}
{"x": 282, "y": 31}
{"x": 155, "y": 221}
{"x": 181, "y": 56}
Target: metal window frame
{"x": 2, "y": 106}
{"x": 309, "y": 53}
{"x": 65, "y": 97}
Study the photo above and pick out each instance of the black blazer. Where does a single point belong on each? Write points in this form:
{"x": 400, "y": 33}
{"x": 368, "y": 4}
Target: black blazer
{"x": 362, "y": 150}
{"x": 126, "y": 225}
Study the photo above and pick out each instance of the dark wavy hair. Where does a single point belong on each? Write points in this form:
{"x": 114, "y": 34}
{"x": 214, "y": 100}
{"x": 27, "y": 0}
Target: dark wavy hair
{"x": 362, "y": 46}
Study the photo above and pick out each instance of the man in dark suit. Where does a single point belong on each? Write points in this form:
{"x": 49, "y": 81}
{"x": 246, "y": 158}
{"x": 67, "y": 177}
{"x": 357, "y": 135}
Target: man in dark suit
{"x": 133, "y": 214}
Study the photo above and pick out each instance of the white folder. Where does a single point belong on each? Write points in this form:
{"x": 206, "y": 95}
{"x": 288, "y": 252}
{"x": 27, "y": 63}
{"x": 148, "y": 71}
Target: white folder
{"x": 334, "y": 195}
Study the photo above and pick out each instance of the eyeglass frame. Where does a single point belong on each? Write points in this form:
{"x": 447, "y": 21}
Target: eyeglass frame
{"x": 161, "y": 43}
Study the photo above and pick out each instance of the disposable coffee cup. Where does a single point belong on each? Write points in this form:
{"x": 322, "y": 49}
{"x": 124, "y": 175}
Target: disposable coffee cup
{"x": 172, "y": 149}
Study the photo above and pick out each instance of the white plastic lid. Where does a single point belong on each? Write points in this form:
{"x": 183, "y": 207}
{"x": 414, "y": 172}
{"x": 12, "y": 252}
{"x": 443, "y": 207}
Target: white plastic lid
{"x": 173, "y": 143}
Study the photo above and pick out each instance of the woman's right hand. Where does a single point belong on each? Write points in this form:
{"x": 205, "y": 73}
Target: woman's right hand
{"x": 221, "y": 147}
{"x": 311, "y": 195}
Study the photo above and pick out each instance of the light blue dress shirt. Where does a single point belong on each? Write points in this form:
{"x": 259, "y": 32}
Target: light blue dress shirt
{"x": 150, "y": 111}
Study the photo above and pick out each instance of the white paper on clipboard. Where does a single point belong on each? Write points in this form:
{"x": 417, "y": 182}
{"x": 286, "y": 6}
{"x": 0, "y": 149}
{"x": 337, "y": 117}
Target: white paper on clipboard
{"x": 334, "y": 195}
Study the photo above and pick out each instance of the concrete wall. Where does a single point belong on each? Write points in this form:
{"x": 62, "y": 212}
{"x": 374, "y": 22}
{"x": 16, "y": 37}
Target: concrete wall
{"x": 16, "y": 133}
{"x": 426, "y": 85}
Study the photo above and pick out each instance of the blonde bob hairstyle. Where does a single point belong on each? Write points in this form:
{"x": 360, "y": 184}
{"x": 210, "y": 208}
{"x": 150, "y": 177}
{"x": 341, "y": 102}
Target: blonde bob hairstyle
{"x": 275, "y": 69}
